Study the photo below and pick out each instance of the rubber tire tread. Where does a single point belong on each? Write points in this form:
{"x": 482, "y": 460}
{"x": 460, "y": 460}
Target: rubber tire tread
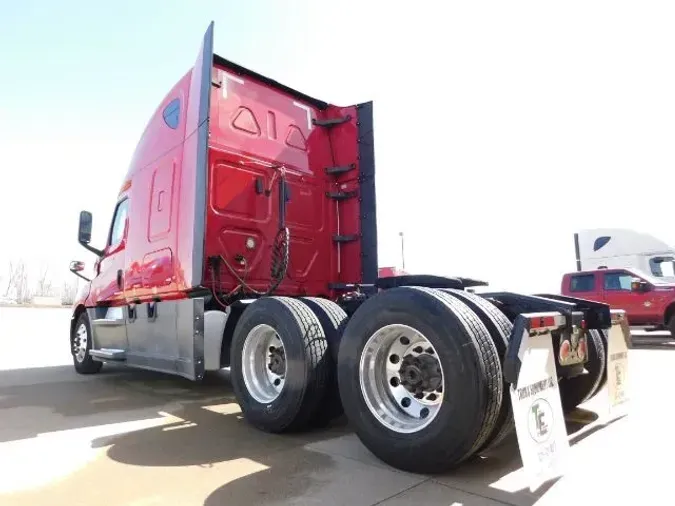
{"x": 603, "y": 380}
{"x": 500, "y": 328}
{"x": 293, "y": 409}
{"x": 333, "y": 320}
{"x": 488, "y": 360}
{"x": 473, "y": 380}
{"x": 88, "y": 365}
{"x": 577, "y": 390}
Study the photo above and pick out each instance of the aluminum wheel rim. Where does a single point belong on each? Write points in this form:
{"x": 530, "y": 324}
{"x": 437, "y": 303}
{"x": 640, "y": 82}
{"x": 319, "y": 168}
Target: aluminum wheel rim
{"x": 393, "y": 404}
{"x": 260, "y": 364}
{"x": 80, "y": 344}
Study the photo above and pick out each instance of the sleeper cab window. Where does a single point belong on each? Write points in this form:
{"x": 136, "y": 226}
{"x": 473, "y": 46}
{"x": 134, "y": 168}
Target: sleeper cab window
{"x": 171, "y": 113}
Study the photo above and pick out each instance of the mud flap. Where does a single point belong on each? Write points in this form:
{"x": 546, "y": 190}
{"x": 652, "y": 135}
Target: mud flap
{"x": 540, "y": 423}
{"x": 618, "y": 344}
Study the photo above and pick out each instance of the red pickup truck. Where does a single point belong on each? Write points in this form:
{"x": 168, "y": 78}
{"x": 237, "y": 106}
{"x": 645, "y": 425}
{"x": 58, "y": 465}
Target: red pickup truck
{"x": 648, "y": 301}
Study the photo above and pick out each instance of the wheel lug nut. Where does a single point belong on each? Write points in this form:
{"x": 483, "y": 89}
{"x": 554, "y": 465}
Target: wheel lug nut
{"x": 424, "y": 412}
{"x": 277, "y": 382}
{"x": 419, "y": 395}
{"x": 405, "y": 402}
{"x": 394, "y": 382}
{"x": 431, "y": 397}
{"x": 430, "y": 351}
{"x": 404, "y": 341}
{"x": 418, "y": 349}
{"x": 272, "y": 348}
{"x": 394, "y": 359}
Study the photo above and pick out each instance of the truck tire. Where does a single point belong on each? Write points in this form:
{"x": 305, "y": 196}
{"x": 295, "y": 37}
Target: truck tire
{"x": 80, "y": 345}
{"x": 500, "y": 329}
{"x": 579, "y": 389}
{"x": 280, "y": 365}
{"x": 419, "y": 378}
{"x": 603, "y": 378}
{"x": 671, "y": 326}
{"x": 333, "y": 319}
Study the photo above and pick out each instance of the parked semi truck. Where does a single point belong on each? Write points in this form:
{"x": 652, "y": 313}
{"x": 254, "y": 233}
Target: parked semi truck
{"x": 244, "y": 236}
{"x": 601, "y": 248}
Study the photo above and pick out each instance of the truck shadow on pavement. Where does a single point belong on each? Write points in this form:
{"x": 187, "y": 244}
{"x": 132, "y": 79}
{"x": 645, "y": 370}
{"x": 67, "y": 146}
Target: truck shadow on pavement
{"x": 328, "y": 465}
{"x": 652, "y": 343}
{"x": 198, "y": 426}
{"x": 41, "y": 400}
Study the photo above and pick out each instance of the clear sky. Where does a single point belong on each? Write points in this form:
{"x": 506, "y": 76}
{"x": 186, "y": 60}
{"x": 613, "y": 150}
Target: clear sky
{"x": 500, "y": 127}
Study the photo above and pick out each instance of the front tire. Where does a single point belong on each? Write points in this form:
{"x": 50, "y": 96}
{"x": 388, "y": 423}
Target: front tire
{"x": 80, "y": 345}
{"x": 420, "y": 379}
{"x": 280, "y": 364}
{"x": 671, "y": 326}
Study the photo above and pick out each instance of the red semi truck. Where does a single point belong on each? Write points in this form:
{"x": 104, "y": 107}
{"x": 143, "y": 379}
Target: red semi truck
{"x": 245, "y": 236}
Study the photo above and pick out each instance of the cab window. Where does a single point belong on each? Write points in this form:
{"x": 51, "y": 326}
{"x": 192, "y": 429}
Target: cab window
{"x": 618, "y": 281}
{"x": 118, "y": 224}
{"x": 582, "y": 283}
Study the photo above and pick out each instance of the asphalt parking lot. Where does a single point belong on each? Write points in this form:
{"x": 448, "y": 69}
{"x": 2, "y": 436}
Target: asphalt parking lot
{"x": 137, "y": 438}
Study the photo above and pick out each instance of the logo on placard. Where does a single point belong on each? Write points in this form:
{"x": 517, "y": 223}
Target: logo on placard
{"x": 540, "y": 420}
{"x": 618, "y": 370}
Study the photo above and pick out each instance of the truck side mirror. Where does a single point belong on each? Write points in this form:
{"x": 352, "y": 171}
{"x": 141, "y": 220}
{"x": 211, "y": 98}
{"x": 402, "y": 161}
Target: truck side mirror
{"x": 76, "y": 267}
{"x": 84, "y": 232}
{"x": 639, "y": 285}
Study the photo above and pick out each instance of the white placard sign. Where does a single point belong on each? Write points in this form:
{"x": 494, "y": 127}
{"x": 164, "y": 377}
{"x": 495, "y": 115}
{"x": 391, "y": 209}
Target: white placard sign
{"x": 617, "y": 369}
{"x": 540, "y": 422}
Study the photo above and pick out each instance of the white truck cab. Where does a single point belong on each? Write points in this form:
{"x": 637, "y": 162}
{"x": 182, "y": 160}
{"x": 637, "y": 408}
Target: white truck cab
{"x": 618, "y": 247}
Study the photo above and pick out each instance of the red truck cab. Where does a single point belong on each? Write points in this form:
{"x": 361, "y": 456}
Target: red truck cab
{"x": 647, "y": 300}
{"x": 239, "y": 187}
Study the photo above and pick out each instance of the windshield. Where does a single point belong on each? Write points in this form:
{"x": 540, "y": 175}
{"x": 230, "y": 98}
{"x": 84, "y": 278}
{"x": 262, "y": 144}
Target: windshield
{"x": 662, "y": 266}
{"x": 661, "y": 280}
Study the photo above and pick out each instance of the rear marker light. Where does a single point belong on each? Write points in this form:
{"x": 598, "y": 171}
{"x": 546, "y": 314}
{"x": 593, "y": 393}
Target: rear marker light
{"x": 544, "y": 321}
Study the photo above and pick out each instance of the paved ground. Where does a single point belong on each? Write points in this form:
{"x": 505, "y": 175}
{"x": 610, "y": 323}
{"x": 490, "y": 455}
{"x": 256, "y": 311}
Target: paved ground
{"x": 142, "y": 439}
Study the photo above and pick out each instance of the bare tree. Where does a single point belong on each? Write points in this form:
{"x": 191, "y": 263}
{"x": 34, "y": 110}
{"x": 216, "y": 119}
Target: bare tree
{"x": 18, "y": 282}
{"x": 68, "y": 292}
{"x": 44, "y": 287}
{"x": 10, "y": 279}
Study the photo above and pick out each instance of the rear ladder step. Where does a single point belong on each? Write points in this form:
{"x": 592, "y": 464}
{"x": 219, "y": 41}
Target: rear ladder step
{"x": 331, "y": 122}
{"x": 342, "y": 195}
{"x": 346, "y": 238}
{"x": 340, "y": 169}
{"x": 109, "y": 354}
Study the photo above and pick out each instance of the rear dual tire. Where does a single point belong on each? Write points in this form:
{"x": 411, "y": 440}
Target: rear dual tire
{"x": 579, "y": 389}
{"x": 333, "y": 320}
{"x": 280, "y": 364}
{"x": 472, "y": 390}
{"x": 500, "y": 328}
